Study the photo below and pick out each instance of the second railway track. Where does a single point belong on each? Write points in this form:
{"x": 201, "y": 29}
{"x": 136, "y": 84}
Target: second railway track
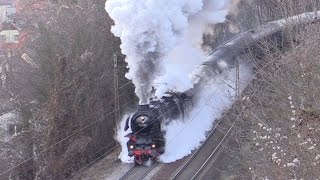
{"x": 199, "y": 160}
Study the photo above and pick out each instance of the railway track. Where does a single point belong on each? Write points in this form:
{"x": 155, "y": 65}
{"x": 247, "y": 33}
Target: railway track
{"x": 204, "y": 155}
{"x": 137, "y": 172}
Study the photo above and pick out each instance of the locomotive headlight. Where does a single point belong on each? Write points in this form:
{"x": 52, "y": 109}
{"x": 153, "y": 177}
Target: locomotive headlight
{"x": 131, "y": 146}
{"x": 153, "y": 146}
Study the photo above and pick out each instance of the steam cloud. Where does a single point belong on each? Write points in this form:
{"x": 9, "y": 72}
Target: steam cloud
{"x": 162, "y": 40}
{"x": 184, "y": 135}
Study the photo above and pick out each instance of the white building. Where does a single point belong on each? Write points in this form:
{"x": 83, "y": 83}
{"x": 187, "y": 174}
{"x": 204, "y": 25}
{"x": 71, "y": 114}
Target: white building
{"x": 9, "y": 36}
{"x": 8, "y": 32}
{"x": 9, "y": 126}
{"x": 6, "y": 10}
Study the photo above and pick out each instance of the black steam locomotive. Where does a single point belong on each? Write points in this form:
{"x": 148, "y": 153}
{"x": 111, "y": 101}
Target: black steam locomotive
{"x": 147, "y": 137}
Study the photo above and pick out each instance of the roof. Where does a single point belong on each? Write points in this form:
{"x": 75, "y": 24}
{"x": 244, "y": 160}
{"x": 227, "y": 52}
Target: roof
{"x": 6, "y": 2}
{"x": 7, "y": 26}
{"x": 21, "y": 7}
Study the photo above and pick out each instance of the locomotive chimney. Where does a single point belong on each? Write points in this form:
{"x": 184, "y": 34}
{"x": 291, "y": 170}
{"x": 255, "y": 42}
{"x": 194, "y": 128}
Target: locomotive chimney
{"x": 143, "y": 107}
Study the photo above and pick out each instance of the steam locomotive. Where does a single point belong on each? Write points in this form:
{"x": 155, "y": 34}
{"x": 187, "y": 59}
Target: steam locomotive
{"x": 146, "y": 139}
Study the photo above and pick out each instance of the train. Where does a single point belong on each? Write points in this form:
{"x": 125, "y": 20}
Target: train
{"x": 146, "y": 139}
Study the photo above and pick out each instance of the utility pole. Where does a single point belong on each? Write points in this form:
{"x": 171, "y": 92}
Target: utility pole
{"x": 116, "y": 93}
{"x": 237, "y": 79}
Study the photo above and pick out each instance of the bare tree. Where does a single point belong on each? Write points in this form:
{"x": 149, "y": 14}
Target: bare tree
{"x": 66, "y": 98}
{"x": 277, "y": 136}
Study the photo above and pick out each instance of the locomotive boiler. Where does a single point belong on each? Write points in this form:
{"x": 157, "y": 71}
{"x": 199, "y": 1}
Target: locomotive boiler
{"x": 146, "y": 139}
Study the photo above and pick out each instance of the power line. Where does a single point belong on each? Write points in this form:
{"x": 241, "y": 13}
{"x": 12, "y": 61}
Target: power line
{"x": 68, "y": 137}
{"x": 116, "y": 93}
{"x": 132, "y": 100}
{"x": 128, "y": 83}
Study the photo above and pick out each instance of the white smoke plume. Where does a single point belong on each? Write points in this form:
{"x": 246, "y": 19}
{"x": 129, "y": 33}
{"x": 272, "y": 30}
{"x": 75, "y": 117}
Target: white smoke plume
{"x": 162, "y": 40}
